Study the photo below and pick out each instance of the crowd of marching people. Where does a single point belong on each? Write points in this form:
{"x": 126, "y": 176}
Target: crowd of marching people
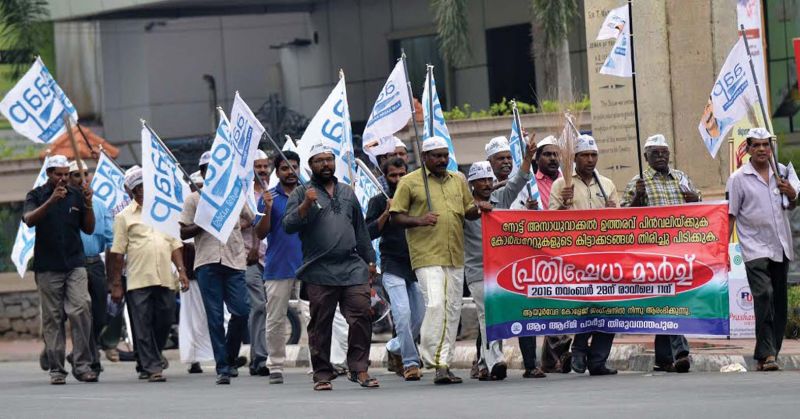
{"x": 313, "y": 240}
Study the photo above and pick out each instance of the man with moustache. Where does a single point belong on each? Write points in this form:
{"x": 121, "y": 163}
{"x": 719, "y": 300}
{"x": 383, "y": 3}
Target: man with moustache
{"x": 338, "y": 264}
{"x": 436, "y": 245}
{"x": 399, "y": 281}
{"x": 400, "y": 151}
{"x": 662, "y": 186}
{"x": 253, "y": 276}
{"x": 755, "y": 207}
{"x": 491, "y": 363}
{"x": 60, "y": 212}
{"x": 283, "y": 257}
{"x": 589, "y": 190}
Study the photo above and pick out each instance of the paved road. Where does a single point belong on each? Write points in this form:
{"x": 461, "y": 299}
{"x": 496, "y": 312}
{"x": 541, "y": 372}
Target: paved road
{"x": 25, "y": 392}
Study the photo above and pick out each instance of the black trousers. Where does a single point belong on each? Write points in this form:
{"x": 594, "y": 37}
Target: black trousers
{"x": 98, "y": 292}
{"x": 767, "y": 280}
{"x": 151, "y": 310}
{"x": 597, "y": 353}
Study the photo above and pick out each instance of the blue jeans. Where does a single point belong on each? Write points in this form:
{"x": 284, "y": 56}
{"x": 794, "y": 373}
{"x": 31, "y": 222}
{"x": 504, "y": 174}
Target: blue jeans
{"x": 408, "y": 310}
{"x": 220, "y": 284}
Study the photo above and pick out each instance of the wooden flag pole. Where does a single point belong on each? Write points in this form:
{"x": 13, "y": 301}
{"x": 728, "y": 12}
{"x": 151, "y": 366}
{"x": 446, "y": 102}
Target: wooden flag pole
{"x": 74, "y": 144}
{"x": 416, "y": 133}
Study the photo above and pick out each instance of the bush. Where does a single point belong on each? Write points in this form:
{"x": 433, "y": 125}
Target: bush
{"x": 793, "y": 323}
{"x": 503, "y": 108}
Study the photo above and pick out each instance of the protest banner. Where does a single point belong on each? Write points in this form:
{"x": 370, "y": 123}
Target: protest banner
{"x": 22, "y": 251}
{"x": 164, "y": 185}
{"x": 331, "y": 126}
{"x": 434, "y": 118}
{"x": 390, "y": 114}
{"x": 108, "y": 185}
{"x": 35, "y": 105}
{"x": 229, "y": 176}
{"x": 654, "y": 270}
{"x": 742, "y": 314}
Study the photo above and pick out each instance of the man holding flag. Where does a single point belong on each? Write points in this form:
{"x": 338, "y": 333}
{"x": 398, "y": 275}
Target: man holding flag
{"x": 59, "y": 211}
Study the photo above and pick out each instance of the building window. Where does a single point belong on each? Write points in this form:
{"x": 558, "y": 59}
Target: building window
{"x": 421, "y": 51}
{"x": 782, "y": 22}
{"x": 509, "y": 62}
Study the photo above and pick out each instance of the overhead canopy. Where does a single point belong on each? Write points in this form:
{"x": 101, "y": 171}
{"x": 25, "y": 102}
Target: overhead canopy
{"x": 62, "y": 146}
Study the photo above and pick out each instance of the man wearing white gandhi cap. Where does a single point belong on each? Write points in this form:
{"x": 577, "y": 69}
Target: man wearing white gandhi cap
{"x": 756, "y": 208}
{"x": 60, "y": 211}
{"x": 436, "y": 246}
{"x": 589, "y": 190}
{"x": 498, "y": 153}
{"x": 662, "y": 186}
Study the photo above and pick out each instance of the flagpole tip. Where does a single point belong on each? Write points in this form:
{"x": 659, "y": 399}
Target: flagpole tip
{"x": 341, "y": 73}
{"x": 219, "y": 108}
{"x": 144, "y": 123}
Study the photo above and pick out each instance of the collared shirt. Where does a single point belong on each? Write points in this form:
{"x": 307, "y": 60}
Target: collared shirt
{"x": 545, "y": 184}
{"x": 393, "y": 246}
{"x": 58, "y": 244}
{"x": 502, "y": 198}
{"x": 207, "y": 248}
{"x": 103, "y": 236}
{"x": 585, "y": 196}
{"x": 284, "y": 251}
{"x": 761, "y": 222}
{"x": 149, "y": 251}
{"x": 335, "y": 241}
{"x": 443, "y": 243}
{"x": 662, "y": 189}
{"x": 248, "y": 235}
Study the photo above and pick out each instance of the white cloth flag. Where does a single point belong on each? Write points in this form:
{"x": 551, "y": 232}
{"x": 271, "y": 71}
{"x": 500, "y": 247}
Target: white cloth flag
{"x": 733, "y": 94}
{"x": 331, "y": 126}
{"x": 439, "y": 125}
{"x": 164, "y": 186}
{"x": 517, "y": 151}
{"x": 35, "y": 105}
{"x": 618, "y": 63}
{"x": 22, "y": 252}
{"x": 229, "y": 176}
{"x": 108, "y": 185}
{"x": 365, "y": 189}
{"x": 390, "y": 114}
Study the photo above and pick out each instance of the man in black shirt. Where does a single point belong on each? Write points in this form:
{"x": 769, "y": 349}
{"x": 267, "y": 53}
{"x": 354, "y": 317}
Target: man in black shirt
{"x": 408, "y": 305}
{"x": 60, "y": 212}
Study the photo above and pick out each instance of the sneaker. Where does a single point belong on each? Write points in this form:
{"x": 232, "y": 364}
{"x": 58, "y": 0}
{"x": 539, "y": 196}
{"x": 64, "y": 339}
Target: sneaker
{"x": 276, "y": 378}
{"x": 239, "y": 362}
{"x": 195, "y": 368}
{"x": 412, "y": 373}
{"x": 234, "y": 372}
{"x": 157, "y": 377}
{"x": 261, "y": 371}
{"x": 223, "y": 379}
{"x": 112, "y": 354}
{"x": 58, "y": 380}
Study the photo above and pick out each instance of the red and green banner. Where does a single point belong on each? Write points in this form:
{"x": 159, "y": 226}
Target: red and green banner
{"x": 652, "y": 270}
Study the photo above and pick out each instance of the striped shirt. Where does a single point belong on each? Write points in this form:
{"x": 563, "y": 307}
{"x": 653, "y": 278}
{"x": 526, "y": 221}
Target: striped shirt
{"x": 662, "y": 189}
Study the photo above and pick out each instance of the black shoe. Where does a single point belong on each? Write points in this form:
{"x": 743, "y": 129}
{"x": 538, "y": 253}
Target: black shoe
{"x": 144, "y": 375}
{"x": 442, "y": 376}
{"x": 453, "y": 378}
{"x": 276, "y": 378}
{"x": 261, "y": 371}
{"x": 499, "y": 371}
{"x": 603, "y": 371}
{"x": 239, "y": 362}
{"x": 566, "y": 362}
{"x": 683, "y": 364}
{"x": 223, "y": 379}
{"x": 44, "y": 363}
{"x": 234, "y": 372}
{"x": 578, "y": 363}
{"x": 195, "y": 368}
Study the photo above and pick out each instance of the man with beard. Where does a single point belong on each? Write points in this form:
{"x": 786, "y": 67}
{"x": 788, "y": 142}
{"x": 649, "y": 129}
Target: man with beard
{"x": 338, "y": 264}
{"x": 491, "y": 362}
{"x": 436, "y": 246}
{"x": 151, "y": 285}
{"x": 755, "y": 207}
{"x": 662, "y": 186}
{"x": 60, "y": 212}
{"x": 407, "y": 304}
{"x": 400, "y": 152}
{"x": 253, "y": 275}
{"x": 284, "y": 256}
{"x": 589, "y": 190}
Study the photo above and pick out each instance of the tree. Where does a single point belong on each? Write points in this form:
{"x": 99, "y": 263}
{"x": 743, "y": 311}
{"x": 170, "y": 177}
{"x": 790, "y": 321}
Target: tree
{"x": 451, "y": 24}
{"x": 552, "y": 19}
{"x": 21, "y": 31}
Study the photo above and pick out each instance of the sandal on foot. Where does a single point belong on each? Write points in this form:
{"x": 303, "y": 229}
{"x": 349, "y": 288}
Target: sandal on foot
{"x": 157, "y": 377}
{"x": 58, "y": 380}
{"x": 323, "y": 386}
{"x": 770, "y": 365}
{"x": 367, "y": 382}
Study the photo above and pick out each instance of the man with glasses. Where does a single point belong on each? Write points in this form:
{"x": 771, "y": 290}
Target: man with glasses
{"x": 661, "y": 186}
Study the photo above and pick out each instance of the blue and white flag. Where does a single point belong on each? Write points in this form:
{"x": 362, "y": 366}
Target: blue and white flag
{"x": 439, "y": 125}
{"x": 391, "y": 113}
{"x": 517, "y": 151}
{"x": 164, "y": 186}
{"x": 618, "y": 63}
{"x": 229, "y": 177}
{"x": 35, "y": 105}
{"x": 365, "y": 189}
{"x": 108, "y": 185}
{"x": 22, "y": 252}
{"x": 331, "y": 126}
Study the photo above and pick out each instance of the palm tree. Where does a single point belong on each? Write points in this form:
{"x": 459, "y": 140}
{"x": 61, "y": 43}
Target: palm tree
{"x": 453, "y": 29}
{"x": 21, "y": 31}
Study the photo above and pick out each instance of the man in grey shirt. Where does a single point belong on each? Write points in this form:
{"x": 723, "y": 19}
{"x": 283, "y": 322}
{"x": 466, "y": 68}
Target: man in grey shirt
{"x": 491, "y": 363}
{"x": 755, "y": 205}
{"x": 338, "y": 264}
